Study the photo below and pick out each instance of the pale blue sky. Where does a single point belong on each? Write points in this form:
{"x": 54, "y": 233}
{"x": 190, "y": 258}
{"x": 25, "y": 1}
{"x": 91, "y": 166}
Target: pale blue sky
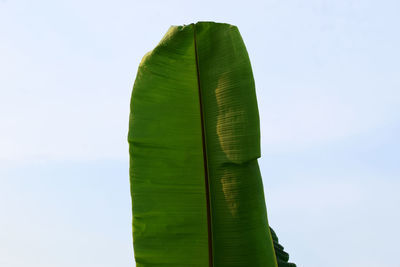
{"x": 328, "y": 87}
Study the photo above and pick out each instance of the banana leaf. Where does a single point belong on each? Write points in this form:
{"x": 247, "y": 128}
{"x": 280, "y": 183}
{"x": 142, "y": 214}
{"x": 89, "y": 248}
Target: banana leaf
{"x": 194, "y": 140}
{"x": 282, "y": 256}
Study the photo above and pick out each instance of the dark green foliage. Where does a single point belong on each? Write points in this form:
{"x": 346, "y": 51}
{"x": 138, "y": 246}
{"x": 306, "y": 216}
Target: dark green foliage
{"x": 282, "y": 257}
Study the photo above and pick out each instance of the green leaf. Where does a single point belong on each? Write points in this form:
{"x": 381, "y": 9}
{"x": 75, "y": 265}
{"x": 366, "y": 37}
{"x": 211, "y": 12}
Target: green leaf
{"x": 194, "y": 140}
{"x": 281, "y": 256}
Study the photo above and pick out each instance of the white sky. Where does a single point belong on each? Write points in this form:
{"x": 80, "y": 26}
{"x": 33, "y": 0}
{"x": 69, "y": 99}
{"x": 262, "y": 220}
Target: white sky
{"x": 327, "y": 77}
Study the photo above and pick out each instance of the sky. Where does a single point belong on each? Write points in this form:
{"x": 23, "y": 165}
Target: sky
{"x": 328, "y": 89}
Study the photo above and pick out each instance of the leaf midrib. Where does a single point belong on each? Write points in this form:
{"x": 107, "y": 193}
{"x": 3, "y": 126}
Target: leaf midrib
{"x": 205, "y": 159}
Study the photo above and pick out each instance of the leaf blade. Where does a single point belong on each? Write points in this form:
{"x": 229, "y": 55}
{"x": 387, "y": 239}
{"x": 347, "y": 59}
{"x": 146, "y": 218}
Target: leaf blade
{"x": 166, "y": 167}
{"x": 167, "y": 145}
{"x": 239, "y": 219}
